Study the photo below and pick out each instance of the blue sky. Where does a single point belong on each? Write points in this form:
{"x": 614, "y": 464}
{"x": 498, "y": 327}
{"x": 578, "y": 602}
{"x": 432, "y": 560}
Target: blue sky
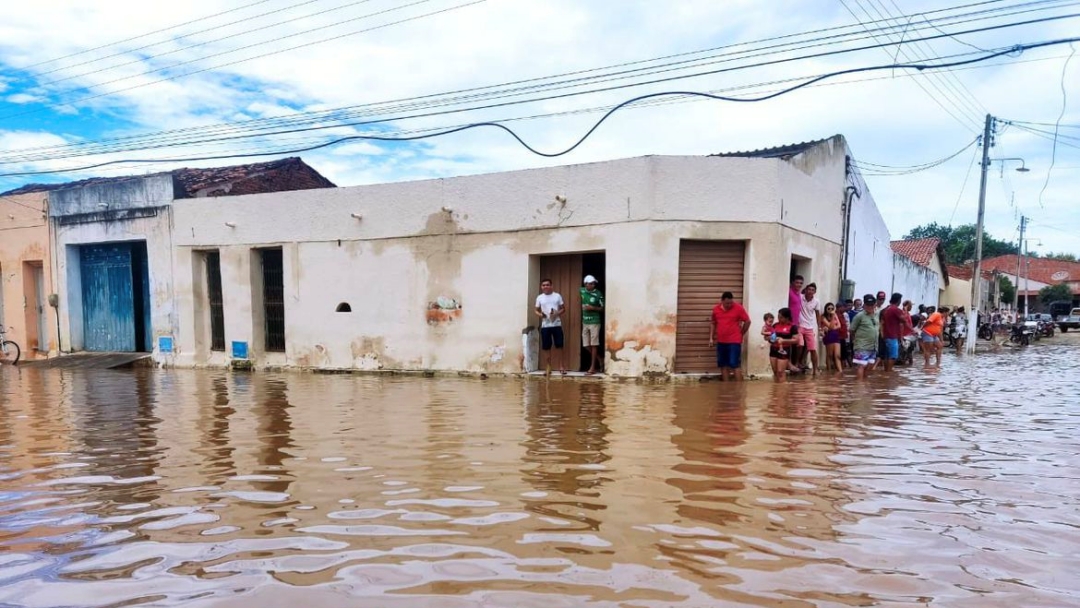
{"x": 92, "y": 93}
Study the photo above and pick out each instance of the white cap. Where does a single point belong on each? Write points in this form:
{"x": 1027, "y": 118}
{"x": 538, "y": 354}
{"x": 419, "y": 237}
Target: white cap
{"x": 590, "y": 279}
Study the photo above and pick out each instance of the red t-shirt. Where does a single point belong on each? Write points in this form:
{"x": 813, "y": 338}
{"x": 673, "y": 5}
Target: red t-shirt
{"x": 727, "y": 323}
{"x": 894, "y": 322}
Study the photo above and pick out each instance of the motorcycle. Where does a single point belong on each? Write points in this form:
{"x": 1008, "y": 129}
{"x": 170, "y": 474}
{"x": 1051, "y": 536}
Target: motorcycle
{"x": 1046, "y": 329}
{"x": 907, "y": 349}
{"x": 986, "y": 331}
{"x": 1021, "y": 334}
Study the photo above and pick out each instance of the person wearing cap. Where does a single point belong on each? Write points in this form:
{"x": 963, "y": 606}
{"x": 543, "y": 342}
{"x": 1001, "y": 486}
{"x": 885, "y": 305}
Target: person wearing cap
{"x": 727, "y": 327}
{"x": 865, "y": 329}
{"x": 592, "y": 305}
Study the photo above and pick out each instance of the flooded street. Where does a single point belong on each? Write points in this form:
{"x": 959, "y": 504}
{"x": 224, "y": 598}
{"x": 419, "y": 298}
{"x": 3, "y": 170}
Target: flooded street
{"x": 956, "y": 487}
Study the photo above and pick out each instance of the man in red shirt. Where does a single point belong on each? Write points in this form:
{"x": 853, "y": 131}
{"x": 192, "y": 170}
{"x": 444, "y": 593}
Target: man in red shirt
{"x": 895, "y": 324}
{"x": 727, "y": 326}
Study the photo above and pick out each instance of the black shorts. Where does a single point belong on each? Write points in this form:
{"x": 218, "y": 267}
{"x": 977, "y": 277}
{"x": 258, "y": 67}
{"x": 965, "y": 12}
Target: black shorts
{"x": 549, "y": 336}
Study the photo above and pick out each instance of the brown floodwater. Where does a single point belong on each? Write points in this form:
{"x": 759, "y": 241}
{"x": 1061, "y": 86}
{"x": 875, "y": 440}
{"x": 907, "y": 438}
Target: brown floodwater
{"x": 956, "y": 487}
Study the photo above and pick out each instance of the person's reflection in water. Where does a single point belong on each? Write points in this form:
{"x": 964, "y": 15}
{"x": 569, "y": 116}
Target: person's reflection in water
{"x": 273, "y": 431}
{"x": 566, "y": 446}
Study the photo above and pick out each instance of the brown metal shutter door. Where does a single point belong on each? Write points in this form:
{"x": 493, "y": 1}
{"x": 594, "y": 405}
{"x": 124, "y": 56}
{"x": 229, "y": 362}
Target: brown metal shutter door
{"x": 706, "y": 270}
{"x": 565, "y": 274}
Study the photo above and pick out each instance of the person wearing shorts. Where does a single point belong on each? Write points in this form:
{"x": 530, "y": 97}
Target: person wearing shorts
{"x": 895, "y": 324}
{"x": 784, "y": 337}
{"x": 809, "y": 325}
{"x": 865, "y": 328}
{"x": 727, "y": 326}
{"x": 550, "y": 308}
{"x": 592, "y": 306}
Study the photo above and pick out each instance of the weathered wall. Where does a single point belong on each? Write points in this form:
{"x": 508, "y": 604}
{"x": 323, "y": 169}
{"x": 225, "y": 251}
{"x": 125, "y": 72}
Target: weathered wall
{"x": 24, "y": 240}
{"x": 474, "y": 240}
{"x": 916, "y": 283}
{"x": 869, "y": 253}
{"x": 110, "y": 195}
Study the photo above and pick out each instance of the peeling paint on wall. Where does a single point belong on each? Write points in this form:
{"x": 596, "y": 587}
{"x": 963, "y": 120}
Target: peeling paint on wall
{"x": 443, "y": 310}
{"x": 641, "y": 349}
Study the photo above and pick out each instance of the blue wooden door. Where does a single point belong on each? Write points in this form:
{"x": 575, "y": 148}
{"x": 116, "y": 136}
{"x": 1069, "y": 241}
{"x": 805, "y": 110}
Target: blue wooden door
{"x": 108, "y": 298}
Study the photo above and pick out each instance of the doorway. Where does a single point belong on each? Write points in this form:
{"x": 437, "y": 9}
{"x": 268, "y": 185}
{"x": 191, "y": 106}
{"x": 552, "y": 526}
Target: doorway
{"x": 37, "y": 335}
{"x": 567, "y": 271}
{"x": 116, "y": 297}
{"x": 706, "y": 270}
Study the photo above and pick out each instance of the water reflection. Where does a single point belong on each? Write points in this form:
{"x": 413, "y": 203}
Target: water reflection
{"x": 213, "y": 489}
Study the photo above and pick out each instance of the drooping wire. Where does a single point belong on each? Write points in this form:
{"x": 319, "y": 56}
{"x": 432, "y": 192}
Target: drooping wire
{"x": 581, "y": 140}
{"x": 963, "y": 186}
{"x": 1061, "y": 115}
{"x": 888, "y": 170}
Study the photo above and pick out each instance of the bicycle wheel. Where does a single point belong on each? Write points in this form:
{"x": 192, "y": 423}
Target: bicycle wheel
{"x": 10, "y": 352}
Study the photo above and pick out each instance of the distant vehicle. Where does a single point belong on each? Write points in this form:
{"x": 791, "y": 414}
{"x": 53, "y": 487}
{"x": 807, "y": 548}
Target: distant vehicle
{"x": 1072, "y": 321}
{"x": 1059, "y": 308}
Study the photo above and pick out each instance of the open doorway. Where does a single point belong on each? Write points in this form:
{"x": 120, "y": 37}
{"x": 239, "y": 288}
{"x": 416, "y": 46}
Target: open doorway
{"x": 567, "y": 272}
{"x": 800, "y": 266}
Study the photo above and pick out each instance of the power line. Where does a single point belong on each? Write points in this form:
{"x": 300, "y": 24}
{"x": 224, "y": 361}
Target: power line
{"x": 264, "y": 55}
{"x": 1064, "y": 105}
{"x": 1000, "y": 12}
{"x": 245, "y": 32}
{"x": 963, "y": 186}
{"x": 914, "y": 168}
{"x": 572, "y": 147}
{"x": 140, "y": 36}
{"x": 503, "y": 94}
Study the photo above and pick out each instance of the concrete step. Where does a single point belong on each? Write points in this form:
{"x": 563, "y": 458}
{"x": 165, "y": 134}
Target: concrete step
{"x": 92, "y": 361}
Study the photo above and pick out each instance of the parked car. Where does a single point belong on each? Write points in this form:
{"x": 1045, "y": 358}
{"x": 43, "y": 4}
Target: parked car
{"x": 1070, "y": 321}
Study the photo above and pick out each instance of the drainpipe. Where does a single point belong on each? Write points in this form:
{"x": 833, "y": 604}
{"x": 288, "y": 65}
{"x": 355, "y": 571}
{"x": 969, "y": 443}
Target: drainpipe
{"x": 850, "y": 193}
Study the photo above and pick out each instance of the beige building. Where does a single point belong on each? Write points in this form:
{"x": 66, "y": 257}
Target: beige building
{"x": 442, "y": 274}
{"x": 26, "y": 274}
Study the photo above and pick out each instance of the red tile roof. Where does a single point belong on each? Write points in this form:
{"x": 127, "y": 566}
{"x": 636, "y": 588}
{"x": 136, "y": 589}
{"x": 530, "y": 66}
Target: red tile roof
{"x": 920, "y": 251}
{"x": 1042, "y": 270}
{"x": 964, "y": 273}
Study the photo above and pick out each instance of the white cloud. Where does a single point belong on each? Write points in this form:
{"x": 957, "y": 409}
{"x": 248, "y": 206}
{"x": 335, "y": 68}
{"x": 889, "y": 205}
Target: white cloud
{"x": 887, "y": 120}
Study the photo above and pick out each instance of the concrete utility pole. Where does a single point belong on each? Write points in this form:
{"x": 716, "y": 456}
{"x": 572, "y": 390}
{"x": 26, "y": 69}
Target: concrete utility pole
{"x": 976, "y": 278}
{"x": 1019, "y": 264}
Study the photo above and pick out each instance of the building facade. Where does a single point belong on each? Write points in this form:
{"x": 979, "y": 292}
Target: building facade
{"x": 26, "y": 274}
{"x": 442, "y": 274}
{"x": 919, "y": 271}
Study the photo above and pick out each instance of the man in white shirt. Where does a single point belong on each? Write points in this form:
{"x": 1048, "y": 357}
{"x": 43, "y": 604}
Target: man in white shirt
{"x": 550, "y": 308}
{"x": 810, "y": 324}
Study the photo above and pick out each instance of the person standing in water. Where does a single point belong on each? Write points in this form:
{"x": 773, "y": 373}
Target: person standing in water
{"x": 865, "y": 329}
{"x": 830, "y": 323}
{"x": 592, "y": 307}
{"x": 550, "y": 308}
{"x": 727, "y": 326}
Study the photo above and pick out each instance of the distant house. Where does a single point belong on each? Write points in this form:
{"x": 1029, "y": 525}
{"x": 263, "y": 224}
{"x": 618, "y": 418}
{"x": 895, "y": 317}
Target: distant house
{"x": 1030, "y": 274}
{"x": 111, "y": 253}
{"x": 958, "y": 292}
{"x": 919, "y": 270}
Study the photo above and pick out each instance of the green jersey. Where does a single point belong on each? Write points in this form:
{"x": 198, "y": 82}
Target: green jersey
{"x": 864, "y": 331}
{"x": 591, "y": 298}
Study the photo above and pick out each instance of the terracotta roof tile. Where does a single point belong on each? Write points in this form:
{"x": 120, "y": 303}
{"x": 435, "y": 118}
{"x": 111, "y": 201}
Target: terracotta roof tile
{"x": 920, "y": 251}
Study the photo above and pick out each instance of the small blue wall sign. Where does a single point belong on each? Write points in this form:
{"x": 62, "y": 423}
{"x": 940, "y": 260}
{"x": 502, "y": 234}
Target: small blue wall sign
{"x": 165, "y": 344}
{"x": 240, "y": 350}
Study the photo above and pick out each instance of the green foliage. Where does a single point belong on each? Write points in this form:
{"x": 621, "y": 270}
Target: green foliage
{"x": 959, "y": 242}
{"x": 1006, "y": 289}
{"x": 1064, "y": 257}
{"x": 1053, "y": 293}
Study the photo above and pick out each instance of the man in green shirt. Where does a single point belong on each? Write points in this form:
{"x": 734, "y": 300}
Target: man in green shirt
{"x": 592, "y": 305}
{"x": 865, "y": 328}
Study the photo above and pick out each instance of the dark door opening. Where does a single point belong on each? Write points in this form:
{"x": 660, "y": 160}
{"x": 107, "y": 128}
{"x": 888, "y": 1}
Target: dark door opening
{"x": 215, "y": 301}
{"x": 274, "y": 299}
{"x": 594, "y": 264}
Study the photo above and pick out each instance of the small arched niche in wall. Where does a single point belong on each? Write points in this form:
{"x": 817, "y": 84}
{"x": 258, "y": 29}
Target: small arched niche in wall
{"x": 343, "y": 307}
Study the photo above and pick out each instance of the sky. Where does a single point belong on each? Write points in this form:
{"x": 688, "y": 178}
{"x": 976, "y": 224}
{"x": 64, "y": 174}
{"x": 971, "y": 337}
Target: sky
{"x": 75, "y": 73}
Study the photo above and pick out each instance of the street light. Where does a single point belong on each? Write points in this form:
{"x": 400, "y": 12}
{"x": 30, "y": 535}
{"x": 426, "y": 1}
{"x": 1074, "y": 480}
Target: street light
{"x": 1021, "y": 169}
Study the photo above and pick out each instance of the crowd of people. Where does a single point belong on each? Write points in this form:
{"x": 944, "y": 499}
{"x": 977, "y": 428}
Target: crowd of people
{"x": 807, "y": 336}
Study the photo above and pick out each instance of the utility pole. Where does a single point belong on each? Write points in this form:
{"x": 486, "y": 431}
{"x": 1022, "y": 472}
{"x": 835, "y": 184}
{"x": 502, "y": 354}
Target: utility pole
{"x": 1027, "y": 271}
{"x": 976, "y": 278}
{"x": 1019, "y": 265}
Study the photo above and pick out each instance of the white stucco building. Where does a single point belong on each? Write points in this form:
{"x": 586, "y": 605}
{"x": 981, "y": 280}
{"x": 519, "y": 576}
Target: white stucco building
{"x": 442, "y": 274}
{"x": 919, "y": 271}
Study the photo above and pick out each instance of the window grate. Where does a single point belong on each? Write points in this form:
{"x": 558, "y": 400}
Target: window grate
{"x": 216, "y": 301}
{"x": 274, "y": 299}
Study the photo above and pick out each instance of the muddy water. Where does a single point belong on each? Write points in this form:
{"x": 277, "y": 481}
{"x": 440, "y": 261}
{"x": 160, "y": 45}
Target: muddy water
{"x": 952, "y": 488}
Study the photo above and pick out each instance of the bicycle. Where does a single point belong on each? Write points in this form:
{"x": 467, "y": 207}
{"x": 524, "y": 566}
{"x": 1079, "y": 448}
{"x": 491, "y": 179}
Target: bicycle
{"x": 9, "y": 351}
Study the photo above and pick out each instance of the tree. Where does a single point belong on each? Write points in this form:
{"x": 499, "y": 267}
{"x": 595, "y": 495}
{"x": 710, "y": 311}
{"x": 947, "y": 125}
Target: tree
{"x": 959, "y": 242}
{"x": 1006, "y": 289}
{"x": 1054, "y": 293}
{"x": 1064, "y": 257}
